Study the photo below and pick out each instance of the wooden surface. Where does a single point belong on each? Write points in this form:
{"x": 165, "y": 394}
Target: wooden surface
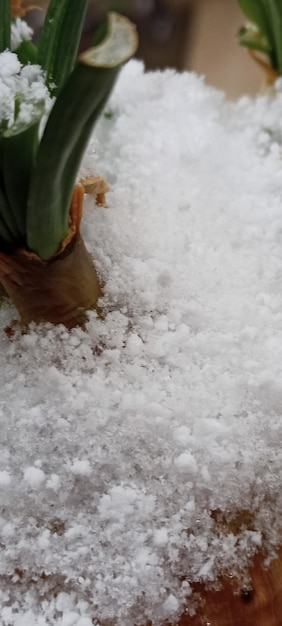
{"x": 212, "y": 49}
{"x": 258, "y": 604}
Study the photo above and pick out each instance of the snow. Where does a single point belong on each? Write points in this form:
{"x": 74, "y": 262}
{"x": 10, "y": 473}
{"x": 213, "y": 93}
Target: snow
{"x": 34, "y": 476}
{"x": 185, "y": 462}
{"x": 20, "y": 31}
{"x": 81, "y": 468}
{"x": 171, "y": 605}
{"x": 5, "y": 478}
{"x": 24, "y": 84}
{"x": 122, "y": 443}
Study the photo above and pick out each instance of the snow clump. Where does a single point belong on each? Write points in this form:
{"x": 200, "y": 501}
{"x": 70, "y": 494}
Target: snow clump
{"x": 20, "y": 31}
{"x": 24, "y": 97}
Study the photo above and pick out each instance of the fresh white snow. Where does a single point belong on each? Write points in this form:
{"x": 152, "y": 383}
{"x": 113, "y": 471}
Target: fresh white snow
{"x": 24, "y": 97}
{"x": 20, "y": 31}
{"x": 119, "y": 444}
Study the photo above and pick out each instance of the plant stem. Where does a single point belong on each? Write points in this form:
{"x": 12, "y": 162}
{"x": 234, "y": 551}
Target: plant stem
{"x": 5, "y": 25}
{"x": 59, "y": 39}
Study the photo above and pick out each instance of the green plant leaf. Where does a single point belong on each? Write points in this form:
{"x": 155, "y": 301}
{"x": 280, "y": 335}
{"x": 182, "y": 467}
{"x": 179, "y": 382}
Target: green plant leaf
{"x": 27, "y": 53}
{"x": 8, "y": 227}
{"x": 59, "y": 39}
{"x": 77, "y": 108}
{"x": 5, "y": 25}
{"x": 275, "y": 12}
{"x": 255, "y": 41}
{"x": 17, "y": 157}
{"x": 101, "y": 32}
{"x": 257, "y": 11}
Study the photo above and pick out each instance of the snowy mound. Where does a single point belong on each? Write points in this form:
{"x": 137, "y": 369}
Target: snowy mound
{"x": 120, "y": 445}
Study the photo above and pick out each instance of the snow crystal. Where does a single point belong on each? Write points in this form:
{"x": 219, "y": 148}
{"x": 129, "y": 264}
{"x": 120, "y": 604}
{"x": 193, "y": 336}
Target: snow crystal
{"x": 182, "y": 435}
{"x": 81, "y": 468}
{"x": 5, "y": 478}
{"x": 34, "y": 476}
{"x": 186, "y": 462}
{"x": 9, "y": 65}
{"x": 20, "y": 31}
{"x": 8, "y": 530}
{"x": 26, "y": 84}
{"x": 84, "y": 621}
{"x": 133, "y": 446}
{"x": 161, "y": 536}
{"x": 171, "y": 605}
{"x": 53, "y": 482}
{"x": 134, "y": 344}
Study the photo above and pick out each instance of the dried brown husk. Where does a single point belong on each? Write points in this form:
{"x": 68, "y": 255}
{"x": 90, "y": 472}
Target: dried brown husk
{"x": 96, "y": 186}
{"x": 20, "y": 7}
{"x": 60, "y": 290}
{"x": 270, "y": 75}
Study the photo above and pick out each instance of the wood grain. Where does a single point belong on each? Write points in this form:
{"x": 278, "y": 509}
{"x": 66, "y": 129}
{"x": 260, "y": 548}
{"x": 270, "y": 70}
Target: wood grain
{"x": 259, "y": 604}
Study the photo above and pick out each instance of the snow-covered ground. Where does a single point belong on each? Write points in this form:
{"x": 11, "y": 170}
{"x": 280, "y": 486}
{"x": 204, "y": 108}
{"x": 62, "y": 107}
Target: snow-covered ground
{"x": 118, "y": 444}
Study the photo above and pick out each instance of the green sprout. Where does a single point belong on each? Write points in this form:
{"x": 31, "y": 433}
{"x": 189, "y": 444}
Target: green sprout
{"x": 64, "y": 95}
{"x": 263, "y": 33}
{"x": 37, "y": 176}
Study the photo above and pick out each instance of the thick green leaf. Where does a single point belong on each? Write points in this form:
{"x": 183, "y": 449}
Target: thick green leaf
{"x": 101, "y": 32}
{"x": 27, "y": 53}
{"x": 8, "y": 228}
{"x": 275, "y": 12}
{"x": 5, "y": 25}
{"x": 17, "y": 158}
{"x": 257, "y": 11}
{"x": 48, "y": 37}
{"x": 59, "y": 39}
{"x": 58, "y": 158}
{"x": 68, "y": 129}
{"x": 6, "y": 239}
